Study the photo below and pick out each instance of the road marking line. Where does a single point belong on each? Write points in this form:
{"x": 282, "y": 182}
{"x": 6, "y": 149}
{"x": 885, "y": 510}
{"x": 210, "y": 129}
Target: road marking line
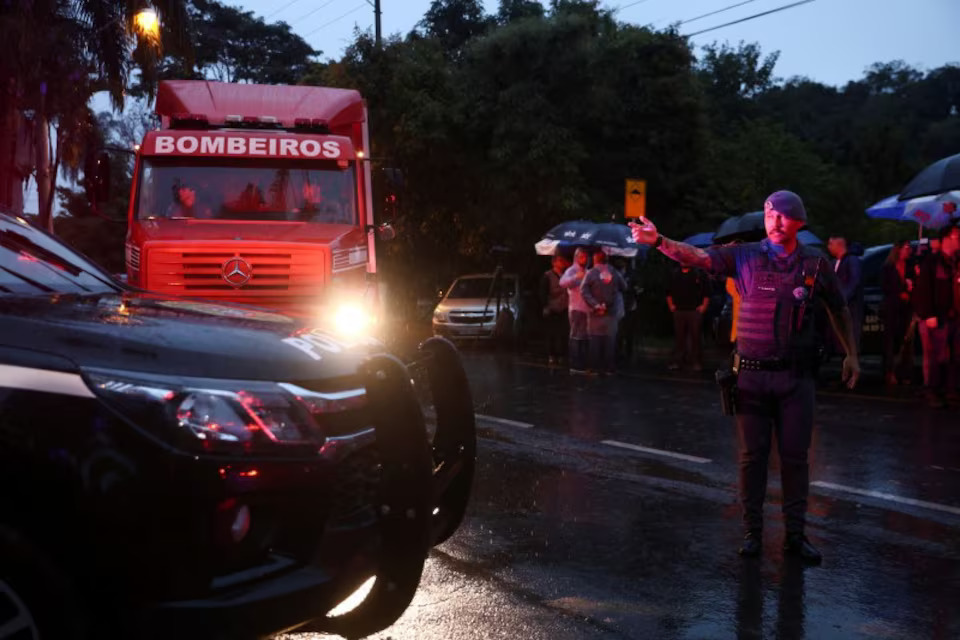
{"x": 659, "y": 452}
{"x": 504, "y": 421}
{"x": 888, "y": 496}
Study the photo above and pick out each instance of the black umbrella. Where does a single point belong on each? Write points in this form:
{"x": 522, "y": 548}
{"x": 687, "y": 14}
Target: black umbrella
{"x": 747, "y": 227}
{"x": 940, "y": 177}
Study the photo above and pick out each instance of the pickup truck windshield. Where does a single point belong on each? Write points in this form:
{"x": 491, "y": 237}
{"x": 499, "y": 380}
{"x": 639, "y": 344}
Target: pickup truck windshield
{"x": 480, "y": 288}
{"x": 235, "y": 189}
{"x": 33, "y": 263}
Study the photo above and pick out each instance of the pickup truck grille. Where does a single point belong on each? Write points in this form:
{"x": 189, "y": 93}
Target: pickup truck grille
{"x": 471, "y": 317}
{"x": 289, "y": 271}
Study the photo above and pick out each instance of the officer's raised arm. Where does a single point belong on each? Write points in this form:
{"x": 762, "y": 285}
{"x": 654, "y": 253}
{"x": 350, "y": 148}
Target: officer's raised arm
{"x": 685, "y": 254}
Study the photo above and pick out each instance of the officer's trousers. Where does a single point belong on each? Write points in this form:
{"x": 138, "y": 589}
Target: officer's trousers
{"x": 772, "y": 403}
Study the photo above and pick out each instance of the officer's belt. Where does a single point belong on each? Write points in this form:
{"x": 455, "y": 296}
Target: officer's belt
{"x": 749, "y": 364}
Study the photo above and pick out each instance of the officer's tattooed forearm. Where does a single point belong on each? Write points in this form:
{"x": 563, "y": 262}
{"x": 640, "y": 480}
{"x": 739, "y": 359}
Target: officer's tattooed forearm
{"x": 685, "y": 254}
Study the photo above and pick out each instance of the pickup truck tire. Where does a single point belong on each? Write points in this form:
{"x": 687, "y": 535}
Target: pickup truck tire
{"x": 406, "y": 492}
{"x": 36, "y": 601}
{"x": 455, "y": 442}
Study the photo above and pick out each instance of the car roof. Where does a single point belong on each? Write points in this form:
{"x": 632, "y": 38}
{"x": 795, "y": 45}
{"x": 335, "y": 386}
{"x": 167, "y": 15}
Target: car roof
{"x": 484, "y": 275}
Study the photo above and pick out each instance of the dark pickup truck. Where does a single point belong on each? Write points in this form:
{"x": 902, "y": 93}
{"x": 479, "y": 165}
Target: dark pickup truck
{"x": 172, "y": 468}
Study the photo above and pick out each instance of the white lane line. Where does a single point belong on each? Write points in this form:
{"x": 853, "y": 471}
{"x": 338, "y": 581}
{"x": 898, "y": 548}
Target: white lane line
{"x": 658, "y": 452}
{"x": 888, "y": 496}
{"x": 503, "y": 421}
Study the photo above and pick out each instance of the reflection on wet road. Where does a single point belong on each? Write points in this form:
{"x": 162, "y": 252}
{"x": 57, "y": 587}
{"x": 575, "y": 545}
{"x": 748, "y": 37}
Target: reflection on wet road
{"x": 570, "y": 536}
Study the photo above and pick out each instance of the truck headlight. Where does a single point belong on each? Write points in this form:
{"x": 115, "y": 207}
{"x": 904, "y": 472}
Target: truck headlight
{"x": 353, "y": 320}
{"x": 227, "y": 416}
{"x": 440, "y": 316}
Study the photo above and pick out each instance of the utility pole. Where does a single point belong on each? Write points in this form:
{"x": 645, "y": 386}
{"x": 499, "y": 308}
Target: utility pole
{"x": 376, "y": 15}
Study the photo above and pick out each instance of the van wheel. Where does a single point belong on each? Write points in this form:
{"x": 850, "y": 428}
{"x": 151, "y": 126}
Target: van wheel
{"x": 35, "y": 600}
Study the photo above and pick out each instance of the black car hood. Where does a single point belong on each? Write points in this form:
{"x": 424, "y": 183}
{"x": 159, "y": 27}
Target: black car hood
{"x": 162, "y": 335}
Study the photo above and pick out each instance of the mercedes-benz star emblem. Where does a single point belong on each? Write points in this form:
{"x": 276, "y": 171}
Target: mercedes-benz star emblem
{"x": 237, "y": 271}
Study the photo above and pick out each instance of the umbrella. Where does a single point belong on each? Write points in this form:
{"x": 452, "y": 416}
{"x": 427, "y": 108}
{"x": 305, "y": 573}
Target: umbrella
{"x": 749, "y": 226}
{"x": 940, "y": 177}
{"x": 933, "y": 212}
{"x": 565, "y": 235}
{"x": 889, "y": 208}
{"x": 615, "y": 239}
{"x": 704, "y": 239}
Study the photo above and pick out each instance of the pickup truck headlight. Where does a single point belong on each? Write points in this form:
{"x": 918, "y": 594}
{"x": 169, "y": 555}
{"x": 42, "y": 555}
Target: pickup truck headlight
{"x": 440, "y": 316}
{"x": 227, "y": 416}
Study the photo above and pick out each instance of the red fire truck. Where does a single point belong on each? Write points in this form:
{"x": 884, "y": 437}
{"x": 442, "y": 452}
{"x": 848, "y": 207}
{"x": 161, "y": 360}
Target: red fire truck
{"x": 257, "y": 194}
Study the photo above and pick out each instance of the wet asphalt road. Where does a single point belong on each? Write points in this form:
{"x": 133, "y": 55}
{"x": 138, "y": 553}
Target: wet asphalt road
{"x": 574, "y": 532}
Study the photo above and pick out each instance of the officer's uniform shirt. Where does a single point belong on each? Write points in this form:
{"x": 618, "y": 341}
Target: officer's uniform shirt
{"x": 778, "y": 296}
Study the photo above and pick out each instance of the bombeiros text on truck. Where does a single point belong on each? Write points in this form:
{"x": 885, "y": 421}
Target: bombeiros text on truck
{"x": 260, "y": 195}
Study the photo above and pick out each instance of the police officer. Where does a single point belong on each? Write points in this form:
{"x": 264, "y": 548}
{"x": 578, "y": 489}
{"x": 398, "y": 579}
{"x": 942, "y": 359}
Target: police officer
{"x": 780, "y": 281}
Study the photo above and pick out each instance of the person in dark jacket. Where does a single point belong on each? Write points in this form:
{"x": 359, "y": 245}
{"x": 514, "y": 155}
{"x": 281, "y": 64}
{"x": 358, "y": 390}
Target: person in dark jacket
{"x": 688, "y": 298}
{"x": 848, "y": 270}
{"x": 896, "y": 312}
{"x": 938, "y": 316}
{"x": 602, "y": 290}
{"x": 553, "y": 301}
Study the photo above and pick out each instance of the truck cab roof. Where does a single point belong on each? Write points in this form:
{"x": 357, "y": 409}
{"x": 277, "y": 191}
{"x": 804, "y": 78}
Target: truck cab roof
{"x": 217, "y": 100}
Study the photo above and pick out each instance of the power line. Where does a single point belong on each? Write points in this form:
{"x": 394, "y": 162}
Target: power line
{"x": 354, "y": 10}
{"x": 310, "y": 13}
{"x": 756, "y": 15}
{"x": 292, "y": 2}
{"x": 713, "y": 13}
{"x": 632, "y": 4}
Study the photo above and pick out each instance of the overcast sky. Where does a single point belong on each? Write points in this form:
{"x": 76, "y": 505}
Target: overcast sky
{"x": 831, "y": 41}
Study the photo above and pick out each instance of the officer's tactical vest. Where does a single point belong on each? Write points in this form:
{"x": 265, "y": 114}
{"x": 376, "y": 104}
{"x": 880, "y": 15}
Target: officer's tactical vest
{"x": 777, "y": 304}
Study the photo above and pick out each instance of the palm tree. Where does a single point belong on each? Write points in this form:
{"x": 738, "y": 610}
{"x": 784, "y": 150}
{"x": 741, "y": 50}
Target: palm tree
{"x": 58, "y": 53}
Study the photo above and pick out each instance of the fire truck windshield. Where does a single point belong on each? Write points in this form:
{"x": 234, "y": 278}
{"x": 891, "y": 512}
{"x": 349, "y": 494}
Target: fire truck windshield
{"x": 239, "y": 189}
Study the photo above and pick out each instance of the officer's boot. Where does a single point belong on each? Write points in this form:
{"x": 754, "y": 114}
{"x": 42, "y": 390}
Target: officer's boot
{"x": 797, "y": 545}
{"x": 752, "y": 544}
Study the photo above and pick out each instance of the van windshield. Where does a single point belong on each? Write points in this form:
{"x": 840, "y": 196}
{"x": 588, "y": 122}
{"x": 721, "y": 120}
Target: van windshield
{"x": 480, "y": 288}
{"x": 233, "y": 189}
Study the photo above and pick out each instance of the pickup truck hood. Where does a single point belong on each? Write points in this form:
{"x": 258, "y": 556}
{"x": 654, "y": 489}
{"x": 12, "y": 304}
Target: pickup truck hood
{"x": 206, "y": 230}
{"x": 143, "y": 332}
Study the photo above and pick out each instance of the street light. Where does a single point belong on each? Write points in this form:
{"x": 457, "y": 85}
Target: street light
{"x": 146, "y": 24}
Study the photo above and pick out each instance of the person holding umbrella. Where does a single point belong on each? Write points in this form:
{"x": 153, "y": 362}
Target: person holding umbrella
{"x": 781, "y": 282}
{"x": 602, "y": 290}
{"x": 578, "y": 310}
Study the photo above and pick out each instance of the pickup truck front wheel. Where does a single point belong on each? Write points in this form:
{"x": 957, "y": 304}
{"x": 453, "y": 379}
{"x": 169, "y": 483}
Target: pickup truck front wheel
{"x": 35, "y": 601}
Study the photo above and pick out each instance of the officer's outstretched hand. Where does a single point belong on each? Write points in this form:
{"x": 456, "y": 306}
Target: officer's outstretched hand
{"x": 645, "y": 232}
{"x": 851, "y": 371}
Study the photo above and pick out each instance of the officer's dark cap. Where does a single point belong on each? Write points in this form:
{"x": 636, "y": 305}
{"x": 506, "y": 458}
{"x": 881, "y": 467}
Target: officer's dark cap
{"x": 786, "y": 203}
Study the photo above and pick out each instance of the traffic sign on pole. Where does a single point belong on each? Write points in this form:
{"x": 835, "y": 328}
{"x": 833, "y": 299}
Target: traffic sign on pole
{"x": 636, "y": 198}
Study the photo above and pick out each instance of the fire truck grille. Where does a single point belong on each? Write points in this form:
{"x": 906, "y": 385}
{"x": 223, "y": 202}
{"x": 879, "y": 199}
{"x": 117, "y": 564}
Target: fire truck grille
{"x": 250, "y": 270}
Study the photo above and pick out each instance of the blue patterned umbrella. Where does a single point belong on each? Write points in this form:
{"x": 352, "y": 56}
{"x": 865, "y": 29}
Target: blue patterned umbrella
{"x": 615, "y": 239}
{"x": 890, "y": 208}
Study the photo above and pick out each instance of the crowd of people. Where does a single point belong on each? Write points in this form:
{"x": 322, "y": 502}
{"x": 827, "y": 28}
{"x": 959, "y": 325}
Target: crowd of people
{"x": 585, "y": 305}
{"x": 588, "y": 304}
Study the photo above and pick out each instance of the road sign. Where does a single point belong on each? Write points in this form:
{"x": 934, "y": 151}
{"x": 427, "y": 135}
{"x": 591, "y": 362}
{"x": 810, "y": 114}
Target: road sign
{"x": 636, "y": 198}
